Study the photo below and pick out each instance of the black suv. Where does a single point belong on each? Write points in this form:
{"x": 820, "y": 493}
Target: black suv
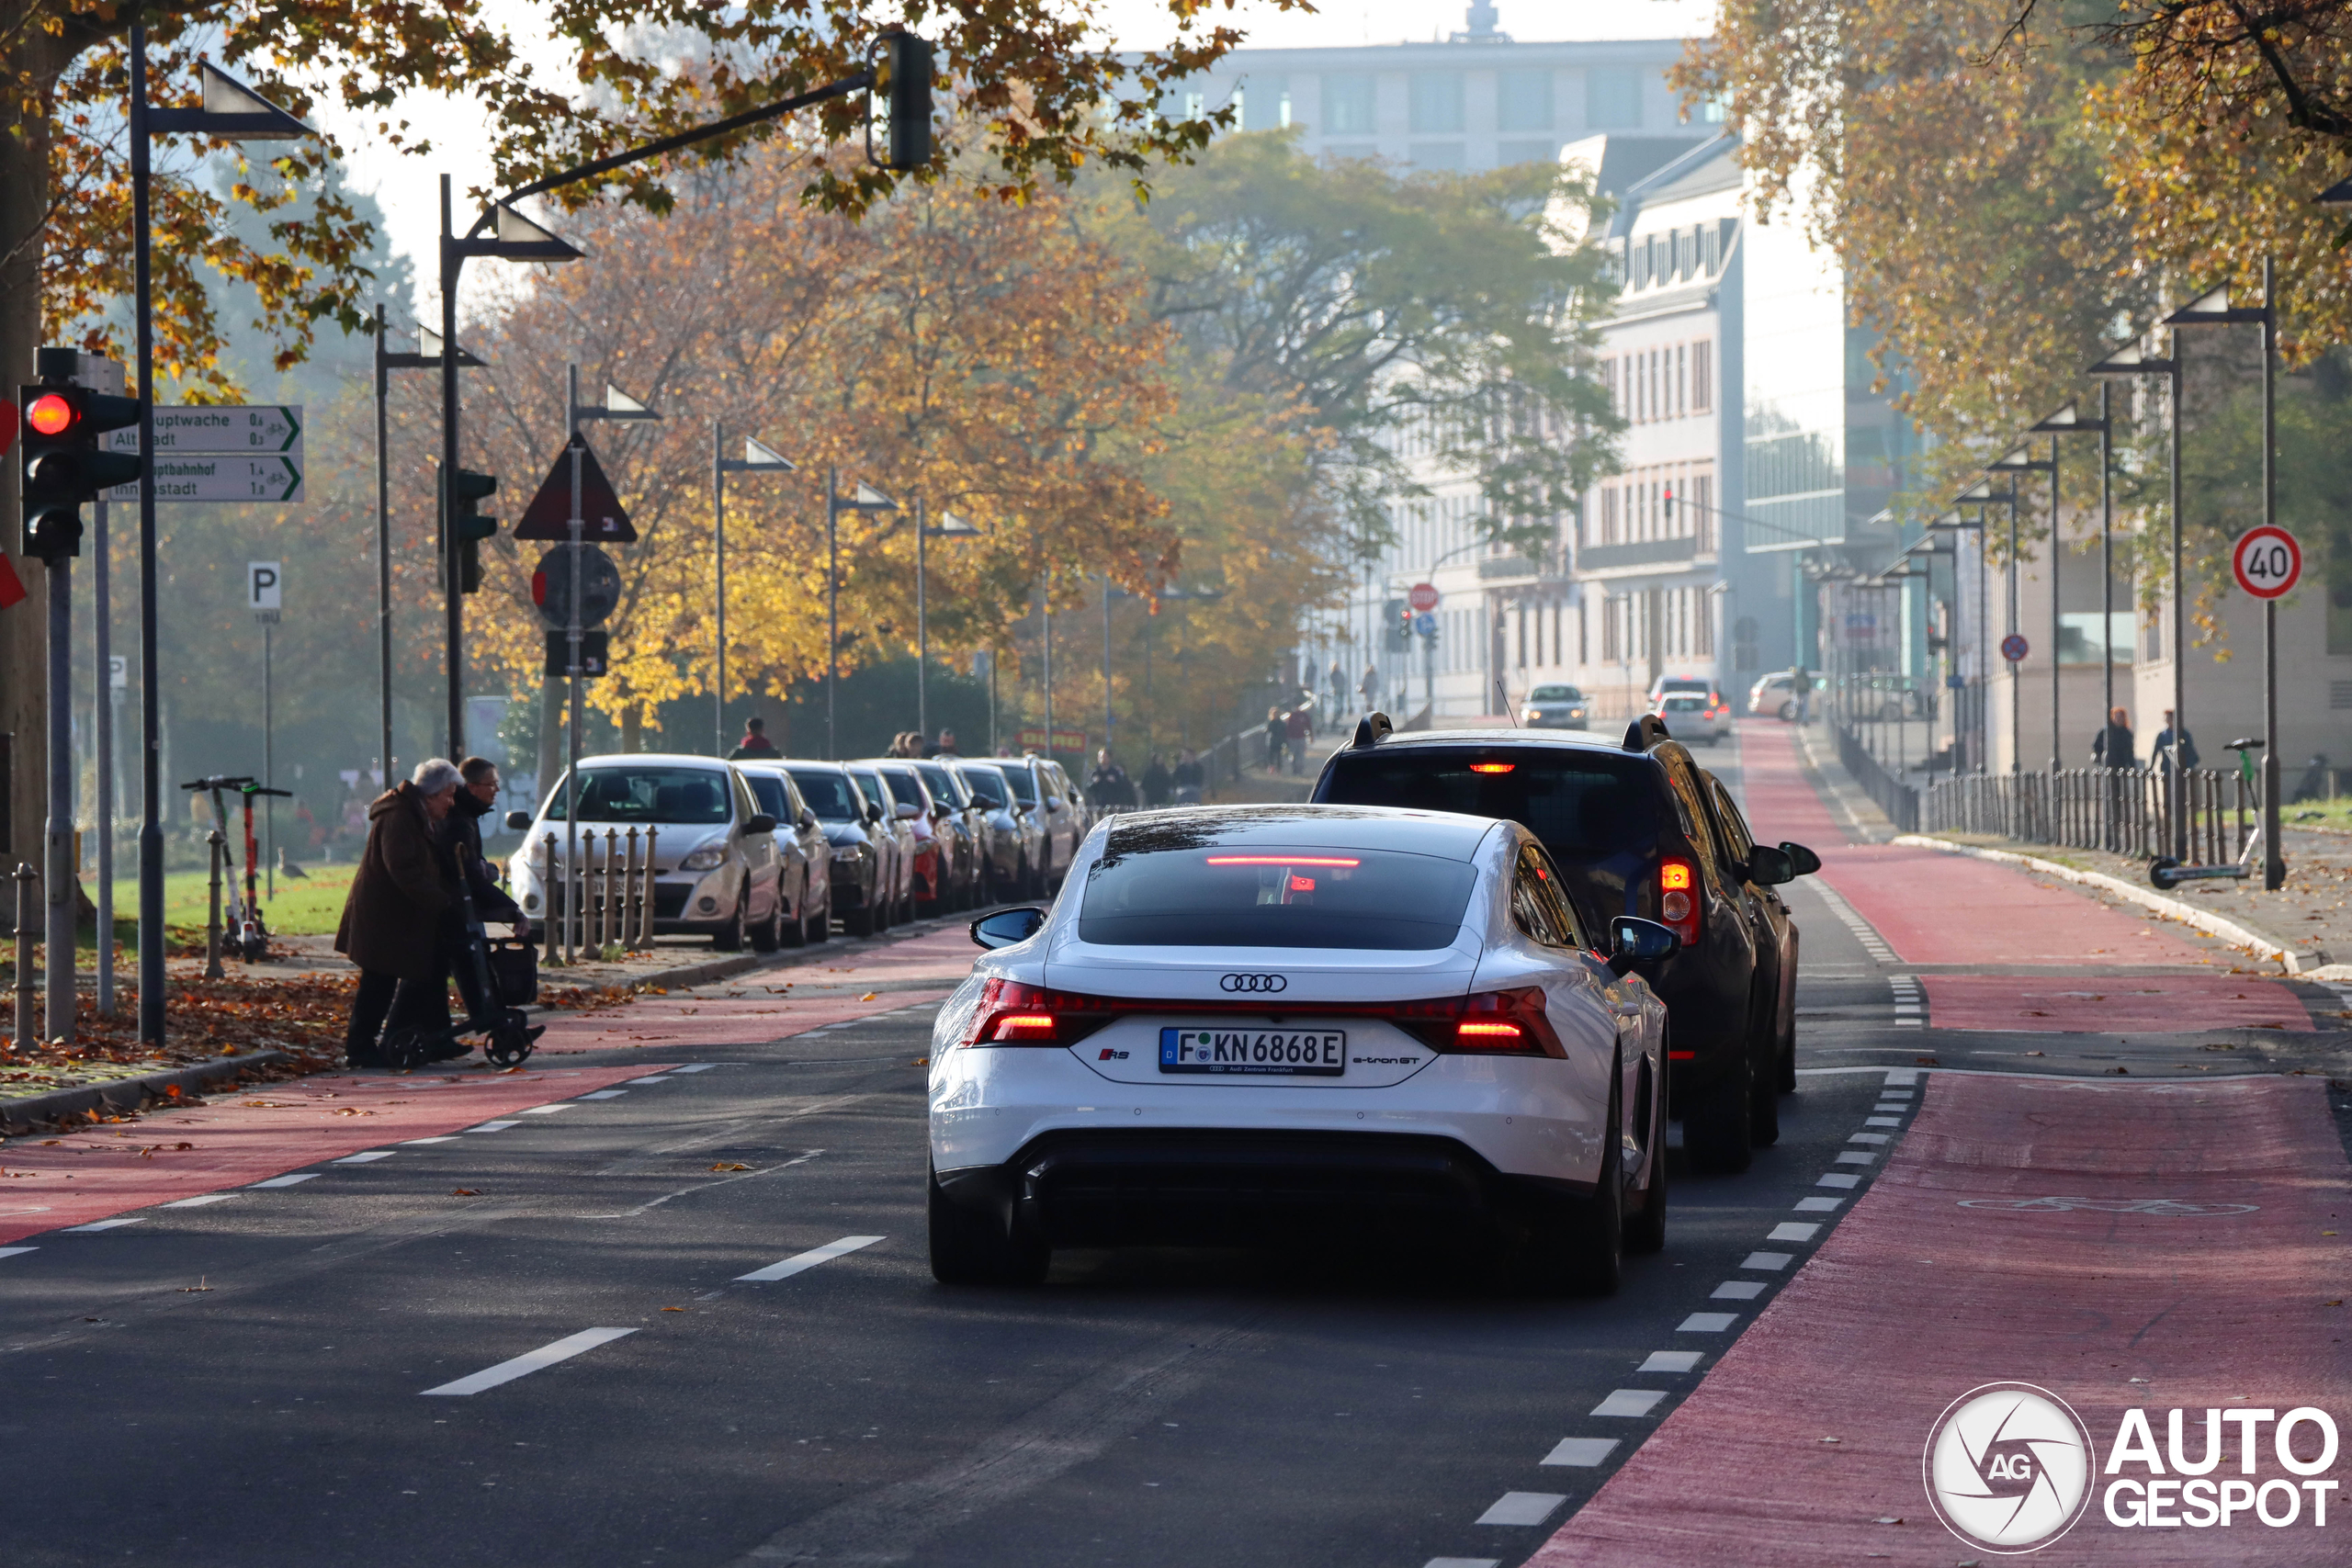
{"x": 1633, "y": 828}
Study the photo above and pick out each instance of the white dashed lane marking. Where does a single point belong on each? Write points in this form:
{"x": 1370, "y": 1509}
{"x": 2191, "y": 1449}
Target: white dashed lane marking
{"x": 1793, "y": 1230}
{"x": 546, "y": 1356}
{"x": 13, "y": 1251}
{"x": 1818, "y": 1205}
{"x": 494, "y": 1126}
{"x": 1772, "y": 1260}
{"x": 1737, "y": 1290}
{"x": 1523, "y": 1508}
{"x": 294, "y": 1180}
{"x": 802, "y": 1261}
{"x": 1631, "y": 1402}
{"x": 199, "y": 1201}
{"x": 371, "y": 1156}
{"x": 604, "y": 1094}
{"x": 106, "y": 1224}
{"x": 1669, "y": 1362}
{"x": 546, "y": 1109}
{"x": 1706, "y": 1323}
{"x": 1584, "y": 1452}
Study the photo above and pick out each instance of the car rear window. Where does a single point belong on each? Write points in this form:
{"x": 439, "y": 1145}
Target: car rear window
{"x": 828, "y": 794}
{"x": 1585, "y": 805}
{"x": 647, "y": 794}
{"x": 1193, "y": 894}
{"x": 1685, "y": 704}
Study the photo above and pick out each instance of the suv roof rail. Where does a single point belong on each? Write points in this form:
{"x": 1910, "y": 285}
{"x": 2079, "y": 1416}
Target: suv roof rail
{"x": 1372, "y": 729}
{"x": 1645, "y": 733}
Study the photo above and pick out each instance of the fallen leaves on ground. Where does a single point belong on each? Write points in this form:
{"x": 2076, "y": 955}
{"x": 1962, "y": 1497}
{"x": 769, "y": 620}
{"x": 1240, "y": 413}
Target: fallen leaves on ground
{"x": 465, "y": 1193}
{"x": 724, "y": 1166}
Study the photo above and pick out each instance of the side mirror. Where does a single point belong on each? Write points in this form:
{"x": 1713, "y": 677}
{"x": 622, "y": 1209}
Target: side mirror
{"x": 759, "y": 822}
{"x": 1804, "y": 860}
{"x": 1769, "y": 867}
{"x": 808, "y": 819}
{"x": 872, "y": 812}
{"x": 1638, "y": 944}
{"x": 1009, "y": 925}
{"x": 519, "y": 821}
{"x": 908, "y": 813}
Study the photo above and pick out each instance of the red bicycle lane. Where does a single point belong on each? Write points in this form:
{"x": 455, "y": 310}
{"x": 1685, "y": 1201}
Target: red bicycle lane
{"x": 49, "y": 1181}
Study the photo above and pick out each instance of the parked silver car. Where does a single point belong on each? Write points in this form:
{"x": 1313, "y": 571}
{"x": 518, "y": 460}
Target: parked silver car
{"x": 808, "y": 853}
{"x": 718, "y": 870}
{"x": 901, "y": 835}
{"x": 961, "y": 819}
{"x": 858, "y": 892}
{"x": 1040, "y": 785}
{"x": 1016, "y": 842}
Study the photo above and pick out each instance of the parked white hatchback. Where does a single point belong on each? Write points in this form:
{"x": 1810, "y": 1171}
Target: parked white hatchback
{"x": 1262, "y": 1024}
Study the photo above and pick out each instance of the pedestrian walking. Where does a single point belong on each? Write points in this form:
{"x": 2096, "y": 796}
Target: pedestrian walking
{"x": 1800, "y": 688}
{"x": 2160, "y": 755}
{"x": 1188, "y": 778}
{"x": 1108, "y": 786}
{"x": 755, "y": 741}
{"x": 1368, "y": 687}
{"x": 1155, "y": 781}
{"x": 1277, "y": 732}
{"x": 946, "y": 746}
{"x": 391, "y": 925}
{"x": 2112, "y": 746}
{"x": 1336, "y": 678}
{"x": 1298, "y": 730}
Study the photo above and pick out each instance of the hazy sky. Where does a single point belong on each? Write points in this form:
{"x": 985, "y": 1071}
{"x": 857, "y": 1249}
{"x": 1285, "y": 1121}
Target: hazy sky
{"x": 407, "y": 186}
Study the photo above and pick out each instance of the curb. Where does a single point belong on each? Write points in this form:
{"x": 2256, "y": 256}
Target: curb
{"x": 124, "y": 1094}
{"x": 2308, "y": 962}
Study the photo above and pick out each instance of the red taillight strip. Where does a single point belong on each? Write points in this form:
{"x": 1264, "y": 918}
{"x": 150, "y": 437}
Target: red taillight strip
{"x": 1282, "y": 860}
{"x": 1495, "y": 1023}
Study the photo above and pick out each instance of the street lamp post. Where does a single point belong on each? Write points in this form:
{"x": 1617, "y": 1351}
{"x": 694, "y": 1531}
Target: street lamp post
{"x": 234, "y": 112}
{"x": 2214, "y": 308}
{"x": 2134, "y": 359}
{"x": 1954, "y": 522}
{"x": 757, "y": 458}
{"x": 950, "y": 527}
{"x": 428, "y": 354}
{"x": 2017, "y": 462}
{"x": 865, "y": 498}
{"x": 1983, "y": 494}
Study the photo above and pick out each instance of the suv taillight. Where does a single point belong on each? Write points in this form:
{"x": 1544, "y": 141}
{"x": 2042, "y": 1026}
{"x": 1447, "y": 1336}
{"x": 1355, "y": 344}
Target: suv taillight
{"x": 1677, "y": 898}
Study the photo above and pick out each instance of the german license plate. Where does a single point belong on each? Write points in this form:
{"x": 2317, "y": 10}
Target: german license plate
{"x": 1286, "y": 1053}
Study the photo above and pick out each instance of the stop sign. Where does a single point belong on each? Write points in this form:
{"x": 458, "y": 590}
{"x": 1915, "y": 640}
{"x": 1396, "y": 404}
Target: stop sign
{"x": 1423, "y": 596}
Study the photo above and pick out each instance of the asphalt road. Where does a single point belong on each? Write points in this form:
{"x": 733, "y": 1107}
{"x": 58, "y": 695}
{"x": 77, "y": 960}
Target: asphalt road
{"x": 251, "y": 1381}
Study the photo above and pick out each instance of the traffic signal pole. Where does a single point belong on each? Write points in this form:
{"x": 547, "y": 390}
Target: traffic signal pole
{"x": 453, "y": 615}
{"x": 151, "y": 708}
{"x": 59, "y": 879}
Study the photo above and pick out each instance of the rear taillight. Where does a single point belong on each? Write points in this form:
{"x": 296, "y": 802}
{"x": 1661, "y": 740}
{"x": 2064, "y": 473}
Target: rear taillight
{"x": 1508, "y": 1023}
{"x": 1491, "y": 1024}
{"x": 1677, "y": 898}
{"x": 1011, "y": 1014}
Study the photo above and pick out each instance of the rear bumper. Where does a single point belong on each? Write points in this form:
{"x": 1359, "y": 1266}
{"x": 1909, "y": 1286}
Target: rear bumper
{"x": 1209, "y": 1188}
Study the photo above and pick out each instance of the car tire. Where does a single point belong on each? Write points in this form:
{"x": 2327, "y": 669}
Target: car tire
{"x": 728, "y": 937}
{"x": 860, "y": 920}
{"x": 768, "y": 935}
{"x": 1785, "y": 711}
{"x": 1717, "y": 1129}
{"x": 1764, "y": 1108}
{"x": 973, "y": 1246}
{"x": 1646, "y": 1224}
{"x": 1581, "y": 1248}
{"x": 792, "y": 933}
{"x": 820, "y": 924}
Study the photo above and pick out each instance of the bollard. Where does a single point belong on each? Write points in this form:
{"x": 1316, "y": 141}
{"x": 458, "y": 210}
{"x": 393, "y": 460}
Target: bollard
{"x": 27, "y": 1035}
{"x": 608, "y": 918}
{"x": 217, "y": 851}
{"x": 645, "y": 920}
{"x": 630, "y": 919}
{"x": 548, "y": 898}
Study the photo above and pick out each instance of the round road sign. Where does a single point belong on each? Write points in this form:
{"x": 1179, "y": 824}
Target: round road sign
{"x": 2013, "y": 647}
{"x": 1423, "y": 596}
{"x": 1425, "y": 625}
{"x": 2268, "y": 561}
{"x": 600, "y": 584}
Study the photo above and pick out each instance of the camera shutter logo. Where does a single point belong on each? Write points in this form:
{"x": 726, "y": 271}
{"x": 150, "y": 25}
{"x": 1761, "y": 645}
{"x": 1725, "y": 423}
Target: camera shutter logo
{"x": 2008, "y": 1467}
{"x": 1262, "y": 983}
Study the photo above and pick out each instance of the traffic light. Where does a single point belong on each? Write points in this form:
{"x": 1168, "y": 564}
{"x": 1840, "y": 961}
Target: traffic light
{"x": 60, "y": 464}
{"x": 901, "y": 101}
{"x": 471, "y": 526}
{"x": 1399, "y": 636}
{"x": 1669, "y": 503}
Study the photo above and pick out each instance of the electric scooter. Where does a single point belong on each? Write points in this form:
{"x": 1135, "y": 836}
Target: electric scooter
{"x": 247, "y": 934}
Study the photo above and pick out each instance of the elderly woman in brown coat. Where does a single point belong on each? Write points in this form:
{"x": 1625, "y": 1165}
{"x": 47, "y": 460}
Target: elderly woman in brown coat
{"x": 392, "y": 919}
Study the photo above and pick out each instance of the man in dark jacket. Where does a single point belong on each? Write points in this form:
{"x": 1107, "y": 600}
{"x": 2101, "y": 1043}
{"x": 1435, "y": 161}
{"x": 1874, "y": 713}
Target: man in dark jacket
{"x": 2112, "y": 746}
{"x": 755, "y": 741}
{"x": 391, "y": 919}
{"x": 1155, "y": 781}
{"x": 2160, "y": 755}
{"x": 1109, "y": 783}
{"x": 477, "y": 796}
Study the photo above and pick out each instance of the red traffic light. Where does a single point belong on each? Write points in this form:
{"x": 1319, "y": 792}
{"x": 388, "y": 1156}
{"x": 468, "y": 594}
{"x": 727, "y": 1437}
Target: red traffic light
{"x": 51, "y": 413}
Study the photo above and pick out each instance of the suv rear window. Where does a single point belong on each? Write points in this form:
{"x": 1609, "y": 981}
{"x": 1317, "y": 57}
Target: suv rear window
{"x": 1585, "y": 805}
{"x": 1254, "y": 895}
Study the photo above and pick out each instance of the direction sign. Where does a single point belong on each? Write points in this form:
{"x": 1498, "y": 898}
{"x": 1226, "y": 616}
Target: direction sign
{"x": 223, "y": 476}
{"x": 548, "y": 516}
{"x": 600, "y": 586}
{"x": 264, "y": 428}
{"x": 1425, "y": 625}
{"x": 1423, "y": 596}
{"x": 2268, "y": 560}
{"x": 2014, "y": 647}
{"x": 264, "y": 589}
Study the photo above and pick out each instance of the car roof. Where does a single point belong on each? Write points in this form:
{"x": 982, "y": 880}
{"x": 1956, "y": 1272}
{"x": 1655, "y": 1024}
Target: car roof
{"x": 659, "y": 759}
{"x": 1552, "y": 740}
{"x": 1441, "y": 834}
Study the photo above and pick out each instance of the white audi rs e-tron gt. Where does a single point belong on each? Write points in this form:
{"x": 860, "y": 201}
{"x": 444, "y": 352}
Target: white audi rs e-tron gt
{"x": 1261, "y": 1025}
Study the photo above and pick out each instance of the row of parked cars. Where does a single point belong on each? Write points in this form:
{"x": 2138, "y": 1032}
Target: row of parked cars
{"x": 776, "y": 852}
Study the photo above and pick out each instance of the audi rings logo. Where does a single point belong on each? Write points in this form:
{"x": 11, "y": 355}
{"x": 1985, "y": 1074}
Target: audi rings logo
{"x": 1266, "y": 983}
{"x": 2008, "y": 1467}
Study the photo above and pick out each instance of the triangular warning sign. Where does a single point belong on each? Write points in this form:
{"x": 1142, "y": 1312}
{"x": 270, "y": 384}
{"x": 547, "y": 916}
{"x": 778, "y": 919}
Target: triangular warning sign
{"x": 549, "y": 514}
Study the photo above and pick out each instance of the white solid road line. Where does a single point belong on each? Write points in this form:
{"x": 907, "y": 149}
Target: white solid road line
{"x": 13, "y": 1251}
{"x": 294, "y": 1180}
{"x": 1793, "y": 1230}
{"x": 106, "y": 1225}
{"x": 198, "y": 1202}
{"x": 801, "y": 1261}
{"x": 1583, "y": 1453}
{"x": 1523, "y": 1508}
{"x": 546, "y": 1356}
{"x": 1706, "y": 1323}
{"x": 1669, "y": 1362}
{"x": 1630, "y": 1402}
{"x": 363, "y": 1159}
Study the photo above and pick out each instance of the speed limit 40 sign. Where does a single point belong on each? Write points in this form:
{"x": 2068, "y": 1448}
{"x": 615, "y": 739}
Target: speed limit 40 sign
{"x": 2268, "y": 561}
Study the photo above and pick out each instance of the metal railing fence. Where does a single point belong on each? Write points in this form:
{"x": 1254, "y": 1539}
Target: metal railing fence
{"x": 2120, "y": 810}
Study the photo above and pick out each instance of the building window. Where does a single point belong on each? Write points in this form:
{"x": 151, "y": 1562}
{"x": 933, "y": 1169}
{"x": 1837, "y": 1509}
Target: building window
{"x": 1681, "y": 379}
{"x": 1706, "y": 627}
{"x": 1711, "y": 250}
{"x": 1702, "y": 376}
{"x": 1612, "y": 100}
{"x": 1436, "y": 102}
{"x": 1265, "y": 103}
{"x": 1438, "y": 155}
{"x": 1609, "y": 515}
{"x": 1523, "y": 101}
{"x": 1350, "y": 107}
{"x": 1702, "y": 515}
{"x": 1584, "y": 641}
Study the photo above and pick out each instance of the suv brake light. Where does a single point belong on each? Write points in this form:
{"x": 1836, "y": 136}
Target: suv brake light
{"x": 1677, "y": 893}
